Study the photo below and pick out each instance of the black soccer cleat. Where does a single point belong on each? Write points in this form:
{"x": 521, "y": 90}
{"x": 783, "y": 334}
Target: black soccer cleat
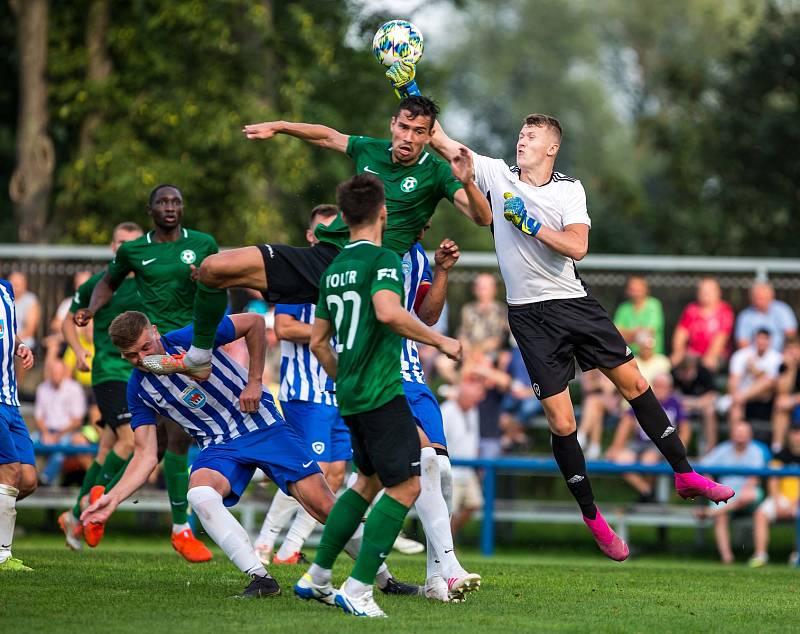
{"x": 393, "y": 586}
{"x": 262, "y": 587}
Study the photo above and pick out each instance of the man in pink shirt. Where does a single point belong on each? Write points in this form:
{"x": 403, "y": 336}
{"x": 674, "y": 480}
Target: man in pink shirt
{"x": 705, "y": 327}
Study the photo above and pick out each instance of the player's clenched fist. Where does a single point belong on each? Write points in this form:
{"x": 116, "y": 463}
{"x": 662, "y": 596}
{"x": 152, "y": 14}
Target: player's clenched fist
{"x": 446, "y": 255}
{"x": 450, "y": 347}
{"x": 265, "y": 130}
{"x": 82, "y": 317}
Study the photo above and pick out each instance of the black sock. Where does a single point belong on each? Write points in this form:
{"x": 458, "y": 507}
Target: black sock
{"x": 569, "y": 456}
{"x": 653, "y": 420}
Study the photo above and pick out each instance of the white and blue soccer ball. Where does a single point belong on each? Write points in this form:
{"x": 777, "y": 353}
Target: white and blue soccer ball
{"x": 395, "y": 40}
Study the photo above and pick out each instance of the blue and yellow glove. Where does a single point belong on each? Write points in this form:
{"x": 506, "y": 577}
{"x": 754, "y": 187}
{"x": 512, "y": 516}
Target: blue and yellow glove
{"x": 514, "y": 211}
{"x": 402, "y": 74}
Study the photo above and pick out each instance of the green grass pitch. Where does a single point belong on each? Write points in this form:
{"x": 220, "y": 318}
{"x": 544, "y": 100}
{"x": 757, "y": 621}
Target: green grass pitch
{"x": 139, "y": 585}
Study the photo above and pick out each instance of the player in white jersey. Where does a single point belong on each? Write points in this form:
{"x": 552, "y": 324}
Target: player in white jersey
{"x": 446, "y": 579}
{"x": 17, "y": 461}
{"x": 541, "y": 227}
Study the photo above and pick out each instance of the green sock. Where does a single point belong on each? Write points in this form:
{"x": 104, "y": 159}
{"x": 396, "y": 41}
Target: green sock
{"x": 383, "y": 525}
{"x": 88, "y": 482}
{"x": 342, "y": 522}
{"x": 118, "y": 476}
{"x": 210, "y": 305}
{"x": 176, "y": 473}
{"x": 112, "y": 464}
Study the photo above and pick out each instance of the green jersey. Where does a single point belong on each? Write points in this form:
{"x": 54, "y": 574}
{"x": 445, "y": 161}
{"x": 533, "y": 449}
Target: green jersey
{"x": 412, "y": 192}
{"x": 107, "y": 364}
{"x": 369, "y": 351}
{"x": 163, "y": 274}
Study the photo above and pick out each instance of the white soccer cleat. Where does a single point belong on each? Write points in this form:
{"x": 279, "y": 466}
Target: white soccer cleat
{"x": 436, "y": 589}
{"x": 306, "y": 589}
{"x": 407, "y": 546}
{"x": 462, "y": 584}
{"x": 73, "y": 530}
{"x": 263, "y": 552}
{"x": 363, "y": 605}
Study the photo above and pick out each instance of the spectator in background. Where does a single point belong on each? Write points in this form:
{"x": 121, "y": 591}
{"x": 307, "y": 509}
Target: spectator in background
{"x": 496, "y": 381}
{"x": 484, "y": 322}
{"x": 787, "y": 393}
{"x": 641, "y": 316}
{"x": 783, "y": 497}
{"x": 765, "y": 313}
{"x": 519, "y": 406}
{"x": 600, "y": 398}
{"x": 752, "y": 379}
{"x": 632, "y": 445}
{"x": 695, "y": 384}
{"x": 739, "y": 451}
{"x": 462, "y": 430}
{"x": 704, "y": 329}
{"x": 29, "y": 311}
{"x": 59, "y": 411}
{"x": 651, "y": 362}
{"x": 62, "y": 311}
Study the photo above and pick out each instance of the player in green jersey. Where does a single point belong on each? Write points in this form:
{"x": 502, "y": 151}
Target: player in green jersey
{"x": 361, "y": 304}
{"x": 415, "y": 180}
{"x": 110, "y": 374}
{"x": 162, "y": 262}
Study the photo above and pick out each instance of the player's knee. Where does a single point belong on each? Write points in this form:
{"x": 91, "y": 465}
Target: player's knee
{"x": 28, "y": 482}
{"x": 11, "y": 474}
{"x": 563, "y": 426}
{"x": 212, "y": 271}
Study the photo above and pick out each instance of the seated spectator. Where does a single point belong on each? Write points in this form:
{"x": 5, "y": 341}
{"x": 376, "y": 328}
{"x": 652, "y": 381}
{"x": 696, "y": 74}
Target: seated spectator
{"x": 600, "y": 398}
{"x": 765, "y": 313}
{"x": 787, "y": 392}
{"x": 651, "y": 362}
{"x": 484, "y": 322}
{"x": 705, "y": 327}
{"x": 641, "y": 316}
{"x": 632, "y": 445}
{"x": 462, "y": 430}
{"x": 752, "y": 378}
{"x": 59, "y": 411}
{"x": 784, "y": 495}
{"x": 739, "y": 451}
{"x": 496, "y": 382}
{"x": 695, "y": 384}
{"x": 519, "y": 406}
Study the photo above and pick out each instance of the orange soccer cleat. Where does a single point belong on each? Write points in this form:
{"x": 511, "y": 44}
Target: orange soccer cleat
{"x": 189, "y": 547}
{"x": 293, "y": 559}
{"x": 93, "y": 532}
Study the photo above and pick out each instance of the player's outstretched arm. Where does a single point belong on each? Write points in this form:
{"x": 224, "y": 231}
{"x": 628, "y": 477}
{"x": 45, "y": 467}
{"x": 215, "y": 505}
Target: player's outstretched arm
{"x": 145, "y": 459}
{"x": 470, "y": 201}
{"x": 389, "y": 311}
{"x": 251, "y": 327}
{"x": 320, "y": 345}
{"x": 430, "y": 309}
{"x": 70, "y": 332}
{"x": 314, "y": 133}
{"x": 289, "y": 328}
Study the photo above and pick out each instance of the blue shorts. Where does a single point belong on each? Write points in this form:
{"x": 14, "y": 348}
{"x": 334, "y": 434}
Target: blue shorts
{"x": 425, "y": 409}
{"x": 15, "y": 440}
{"x": 325, "y": 434}
{"x": 278, "y": 451}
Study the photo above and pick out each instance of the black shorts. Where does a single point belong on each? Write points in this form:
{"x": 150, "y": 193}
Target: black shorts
{"x": 112, "y": 400}
{"x": 385, "y": 441}
{"x": 552, "y": 335}
{"x": 293, "y": 273}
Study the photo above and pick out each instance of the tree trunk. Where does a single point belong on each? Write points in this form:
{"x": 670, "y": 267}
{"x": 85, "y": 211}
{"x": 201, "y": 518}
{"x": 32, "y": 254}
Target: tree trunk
{"x": 98, "y": 66}
{"x": 32, "y": 180}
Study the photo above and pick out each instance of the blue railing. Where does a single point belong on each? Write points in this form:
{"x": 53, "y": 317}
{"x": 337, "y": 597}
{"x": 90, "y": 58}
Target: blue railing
{"x": 549, "y": 466}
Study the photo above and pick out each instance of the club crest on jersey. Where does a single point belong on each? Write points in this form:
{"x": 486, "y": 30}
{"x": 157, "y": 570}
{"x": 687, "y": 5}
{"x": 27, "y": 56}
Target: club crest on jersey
{"x": 188, "y": 256}
{"x": 406, "y": 268}
{"x": 2, "y": 328}
{"x": 409, "y": 184}
{"x": 318, "y": 447}
{"x": 193, "y": 397}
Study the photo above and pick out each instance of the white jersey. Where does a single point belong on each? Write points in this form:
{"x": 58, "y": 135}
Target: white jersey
{"x": 532, "y": 271}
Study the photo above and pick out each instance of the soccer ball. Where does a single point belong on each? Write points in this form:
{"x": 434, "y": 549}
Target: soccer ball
{"x": 397, "y": 39}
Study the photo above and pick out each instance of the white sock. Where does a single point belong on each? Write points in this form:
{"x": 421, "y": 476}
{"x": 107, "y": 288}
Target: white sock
{"x": 355, "y": 588}
{"x": 226, "y": 532}
{"x": 198, "y": 356}
{"x": 299, "y": 531}
{"x": 8, "y": 517}
{"x": 446, "y": 477}
{"x": 320, "y": 575}
{"x": 433, "y": 567}
{"x": 277, "y": 517}
{"x": 432, "y": 511}
{"x": 351, "y": 480}
{"x": 383, "y": 575}
{"x": 179, "y": 528}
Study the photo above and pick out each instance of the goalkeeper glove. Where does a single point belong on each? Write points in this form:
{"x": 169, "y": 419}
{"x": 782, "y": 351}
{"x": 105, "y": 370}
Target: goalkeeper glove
{"x": 402, "y": 74}
{"x": 514, "y": 211}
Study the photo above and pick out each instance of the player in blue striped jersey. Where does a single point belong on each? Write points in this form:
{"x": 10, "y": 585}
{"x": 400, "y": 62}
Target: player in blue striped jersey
{"x": 17, "y": 461}
{"x": 425, "y": 293}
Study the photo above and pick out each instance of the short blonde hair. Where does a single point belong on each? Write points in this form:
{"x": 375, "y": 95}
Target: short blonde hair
{"x": 544, "y": 121}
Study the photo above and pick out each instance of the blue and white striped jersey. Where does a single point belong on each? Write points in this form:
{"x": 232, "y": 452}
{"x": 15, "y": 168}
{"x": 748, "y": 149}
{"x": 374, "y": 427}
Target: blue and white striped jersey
{"x": 416, "y": 273}
{"x": 8, "y": 330}
{"x": 302, "y": 376}
{"x": 207, "y": 410}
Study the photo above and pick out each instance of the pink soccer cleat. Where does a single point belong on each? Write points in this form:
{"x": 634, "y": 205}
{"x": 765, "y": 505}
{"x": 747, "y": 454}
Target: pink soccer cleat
{"x": 612, "y": 545}
{"x": 692, "y": 485}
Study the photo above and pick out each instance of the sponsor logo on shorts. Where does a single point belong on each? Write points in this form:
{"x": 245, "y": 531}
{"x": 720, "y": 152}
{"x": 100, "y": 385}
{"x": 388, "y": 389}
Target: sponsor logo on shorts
{"x": 193, "y": 397}
{"x": 537, "y": 390}
{"x": 415, "y": 464}
{"x": 628, "y": 351}
{"x": 306, "y": 465}
{"x": 409, "y": 184}
{"x": 271, "y": 252}
{"x": 669, "y": 430}
{"x": 188, "y": 256}
{"x": 318, "y": 447}
{"x": 575, "y": 479}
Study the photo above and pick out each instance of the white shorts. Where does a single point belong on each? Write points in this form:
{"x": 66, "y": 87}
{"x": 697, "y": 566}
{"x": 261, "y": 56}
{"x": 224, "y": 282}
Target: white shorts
{"x": 770, "y": 506}
{"x": 467, "y": 492}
